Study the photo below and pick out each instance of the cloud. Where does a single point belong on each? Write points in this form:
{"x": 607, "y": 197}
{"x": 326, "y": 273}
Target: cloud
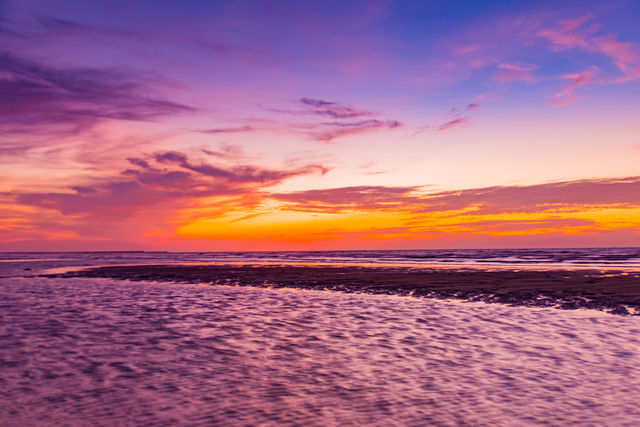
{"x": 577, "y": 33}
{"x": 226, "y": 151}
{"x": 138, "y": 162}
{"x": 347, "y": 120}
{"x": 570, "y": 33}
{"x": 458, "y": 121}
{"x": 349, "y": 198}
{"x": 455, "y": 118}
{"x": 493, "y": 226}
{"x": 561, "y": 196}
{"x": 238, "y": 174}
{"x": 333, "y": 120}
{"x": 510, "y": 73}
{"x": 237, "y": 129}
{"x": 332, "y": 109}
{"x": 332, "y": 131}
{"x": 625, "y": 55}
{"x": 150, "y": 187}
{"x": 38, "y": 98}
{"x": 568, "y": 95}
{"x": 552, "y": 197}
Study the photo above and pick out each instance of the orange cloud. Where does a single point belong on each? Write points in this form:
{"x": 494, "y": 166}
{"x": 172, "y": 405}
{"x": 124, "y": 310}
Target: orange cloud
{"x": 188, "y": 201}
{"x": 378, "y": 214}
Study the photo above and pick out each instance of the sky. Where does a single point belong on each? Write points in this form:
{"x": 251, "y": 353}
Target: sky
{"x": 305, "y": 125}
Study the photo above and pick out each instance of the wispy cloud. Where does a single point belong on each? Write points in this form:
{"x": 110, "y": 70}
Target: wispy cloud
{"x": 326, "y": 121}
{"x": 330, "y": 131}
{"x": 458, "y": 121}
{"x": 515, "y": 73}
{"x": 333, "y": 109}
{"x": 156, "y": 189}
{"x": 570, "y": 33}
{"x": 349, "y": 198}
{"x": 236, "y": 129}
{"x": 582, "y": 33}
{"x": 226, "y": 151}
{"x": 456, "y": 117}
{"x": 238, "y": 174}
{"x": 567, "y": 95}
{"x": 72, "y": 99}
{"x": 551, "y": 197}
{"x": 569, "y": 195}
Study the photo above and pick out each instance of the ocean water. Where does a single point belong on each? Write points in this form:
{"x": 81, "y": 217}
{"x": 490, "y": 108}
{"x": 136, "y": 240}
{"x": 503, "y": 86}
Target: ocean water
{"x": 106, "y": 352}
{"x": 564, "y": 258}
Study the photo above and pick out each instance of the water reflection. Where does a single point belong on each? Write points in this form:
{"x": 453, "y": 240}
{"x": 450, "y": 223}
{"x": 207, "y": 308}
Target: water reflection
{"x": 80, "y": 351}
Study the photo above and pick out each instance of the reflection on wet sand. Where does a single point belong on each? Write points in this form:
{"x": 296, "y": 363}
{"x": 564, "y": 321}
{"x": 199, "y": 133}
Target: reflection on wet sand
{"x": 104, "y": 352}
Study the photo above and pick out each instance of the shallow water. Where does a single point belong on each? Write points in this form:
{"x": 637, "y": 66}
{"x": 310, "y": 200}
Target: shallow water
{"x": 563, "y": 258}
{"x": 105, "y": 352}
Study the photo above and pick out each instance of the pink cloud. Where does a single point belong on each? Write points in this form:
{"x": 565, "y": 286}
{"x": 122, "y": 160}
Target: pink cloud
{"x": 575, "y": 34}
{"x": 171, "y": 181}
{"x": 344, "y": 198}
{"x": 569, "y": 196}
{"x": 326, "y": 121}
{"x": 456, "y": 117}
{"x": 237, "y": 129}
{"x": 510, "y": 73}
{"x": 625, "y": 55}
{"x": 567, "y": 95}
{"x": 570, "y": 33}
{"x": 458, "y": 121}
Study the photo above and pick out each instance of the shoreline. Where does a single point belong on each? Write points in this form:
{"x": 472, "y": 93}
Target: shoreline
{"x": 616, "y": 292}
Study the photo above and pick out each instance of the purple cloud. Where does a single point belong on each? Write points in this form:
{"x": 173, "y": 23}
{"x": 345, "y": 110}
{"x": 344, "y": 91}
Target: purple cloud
{"x": 335, "y": 130}
{"x": 569, "y": 196}
{"x": 237, "y": 129}
{"x": 345, "y": 198}
{"x": 39, "y": 98}
{"x": 237, "y": 174}
{"x": 333, "y": 109}
{"x": 150, "y": 185}
{"x": 458, "y": 121}
{"x": 138, "y": 162}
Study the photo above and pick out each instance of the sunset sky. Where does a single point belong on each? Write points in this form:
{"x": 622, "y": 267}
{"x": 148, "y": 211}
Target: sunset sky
{"x": 276, "y": 125}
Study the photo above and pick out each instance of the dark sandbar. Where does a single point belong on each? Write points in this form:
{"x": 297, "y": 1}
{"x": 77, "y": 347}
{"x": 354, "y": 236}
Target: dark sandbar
{"x": 616, "y": 292}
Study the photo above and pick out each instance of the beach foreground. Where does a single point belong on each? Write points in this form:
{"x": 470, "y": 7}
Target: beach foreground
{"x": 616, "y": 292}
{"x": 87, "y": 351}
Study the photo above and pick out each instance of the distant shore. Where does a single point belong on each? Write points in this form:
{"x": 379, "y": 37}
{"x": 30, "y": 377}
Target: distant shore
{"x": 613, "y": 291}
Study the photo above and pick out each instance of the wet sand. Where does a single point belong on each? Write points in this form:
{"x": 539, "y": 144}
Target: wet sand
{"x": 613, "y": 291}
{"x": 104, "y": 352}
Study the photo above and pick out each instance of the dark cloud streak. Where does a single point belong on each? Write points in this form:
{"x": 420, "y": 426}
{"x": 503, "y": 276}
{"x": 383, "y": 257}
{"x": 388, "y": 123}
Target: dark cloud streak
{"x": 569, "y": 196}
{"x": 332, "y": 109}
{"x": 47, "y": 99}
{"x": 237, "y": 174}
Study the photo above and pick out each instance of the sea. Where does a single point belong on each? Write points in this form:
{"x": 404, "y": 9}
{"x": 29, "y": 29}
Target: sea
{"x": 85, "y": 351}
